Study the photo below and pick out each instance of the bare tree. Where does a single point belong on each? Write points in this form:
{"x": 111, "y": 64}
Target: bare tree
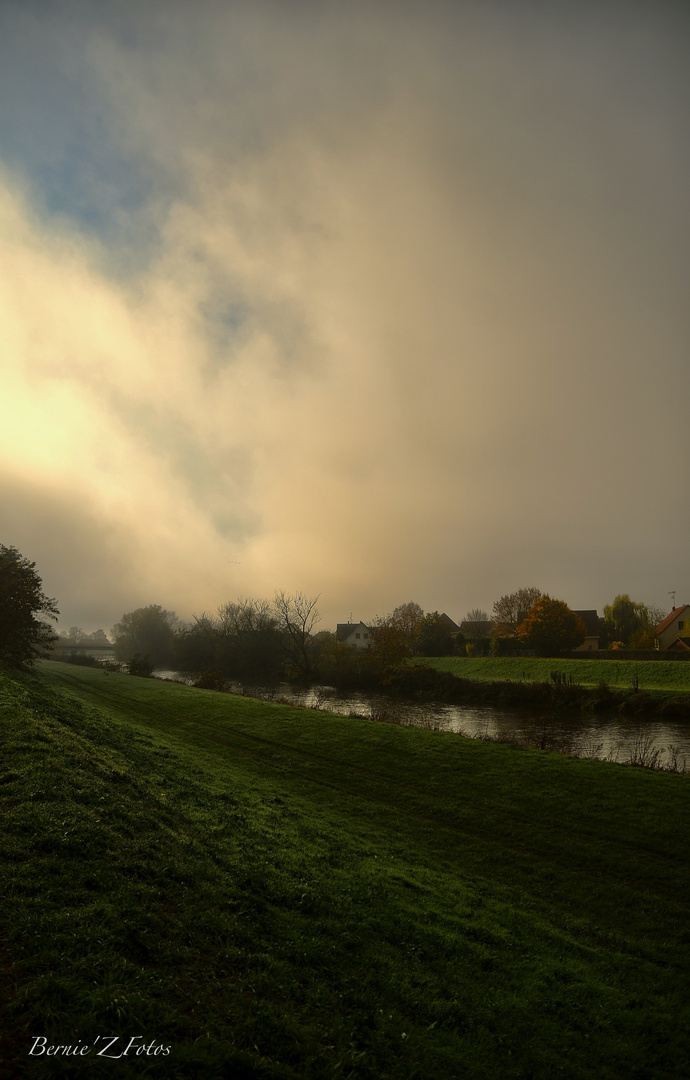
{"x": 241, "y": 639}
{"x": 476, "y": 624}
{"x": 246, "y": 616}
{"x": 297, "y": 615}
{"x": 511, "y": 609}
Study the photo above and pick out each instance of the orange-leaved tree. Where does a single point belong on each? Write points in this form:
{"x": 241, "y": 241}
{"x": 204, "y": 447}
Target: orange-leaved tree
{"x": 551, "y": 627}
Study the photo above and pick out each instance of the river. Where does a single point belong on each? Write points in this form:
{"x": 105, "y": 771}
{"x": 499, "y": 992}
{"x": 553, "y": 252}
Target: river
{"x": 611, "y": 737}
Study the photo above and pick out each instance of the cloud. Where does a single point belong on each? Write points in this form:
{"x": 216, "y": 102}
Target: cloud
{"x": 378, "y": 304}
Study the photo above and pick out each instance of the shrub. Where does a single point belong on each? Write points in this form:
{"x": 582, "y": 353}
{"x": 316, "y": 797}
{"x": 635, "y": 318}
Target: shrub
{"x": 140, "y": 665}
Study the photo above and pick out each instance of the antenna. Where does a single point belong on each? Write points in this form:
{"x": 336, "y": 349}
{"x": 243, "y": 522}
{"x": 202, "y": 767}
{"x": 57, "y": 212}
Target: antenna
{"x": 672, "y": 594}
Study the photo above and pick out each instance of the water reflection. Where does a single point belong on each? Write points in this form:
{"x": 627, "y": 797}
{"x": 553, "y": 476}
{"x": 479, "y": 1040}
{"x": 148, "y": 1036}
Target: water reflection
{"x": 606, "y": 737}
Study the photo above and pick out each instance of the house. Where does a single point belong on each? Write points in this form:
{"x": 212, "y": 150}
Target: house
{"x": 357, "y": 634}
{"x": 447, "y": 623}
{"x": 674, "y": 626}
{"x": 591, "y": 621}
{"x": 681, "y": 644}
{"x": 477, "y": 629}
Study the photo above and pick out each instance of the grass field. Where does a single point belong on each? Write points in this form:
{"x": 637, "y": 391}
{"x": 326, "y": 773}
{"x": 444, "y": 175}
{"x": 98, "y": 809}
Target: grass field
{"x": 619, "y": 674}
{"x": 274, "y": 892}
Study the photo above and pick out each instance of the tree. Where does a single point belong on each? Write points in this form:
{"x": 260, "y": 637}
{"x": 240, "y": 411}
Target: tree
{"x": 476, "y": 624}
{"x": 389, "y": 644}
{"x": 241, "y": 640}
{"x": 551, "y": 627}
{"x": 394, "y": 636}
{"x": 296, "y": 617}
{"x": 432, "y": 637}
{"x": 511, "y": 609}
{"x": 146, "y": 633}
{"x": 645, "y": 636}
{"x": 406, "y": 618}
{"x": 625, "y": 618}
{"x": 23, "y": 636}
{"x": 632, "y": 623}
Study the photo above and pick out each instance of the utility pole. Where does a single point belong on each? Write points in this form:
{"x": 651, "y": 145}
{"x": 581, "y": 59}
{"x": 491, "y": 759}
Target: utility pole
{"x": 672, "y": 594}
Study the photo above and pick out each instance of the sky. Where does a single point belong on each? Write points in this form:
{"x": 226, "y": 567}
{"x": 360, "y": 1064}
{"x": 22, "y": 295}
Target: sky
{"x": 376, "y": 301}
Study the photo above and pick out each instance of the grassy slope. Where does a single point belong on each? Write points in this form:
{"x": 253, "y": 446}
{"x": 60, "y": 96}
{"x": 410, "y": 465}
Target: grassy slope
{"x": 619, "y": 674}
{"x": 281, "y": 893}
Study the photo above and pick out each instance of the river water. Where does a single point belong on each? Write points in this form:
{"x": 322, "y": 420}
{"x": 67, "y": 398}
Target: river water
{"x": 611, "y": 737}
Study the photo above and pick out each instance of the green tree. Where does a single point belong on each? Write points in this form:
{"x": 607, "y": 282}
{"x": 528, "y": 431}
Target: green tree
{"x": 551, "y": 627}
{"x": 147, "y": 634}
{"x": 23, "y": 635}
{"x": 625, "y": 619}
{"x": 631, "y": 622}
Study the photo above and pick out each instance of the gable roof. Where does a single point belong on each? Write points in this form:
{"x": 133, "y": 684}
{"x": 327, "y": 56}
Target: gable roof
{"x": 675, "y": 614}
{"x": 344, "y": 629}
{"x": 681, "y": 644}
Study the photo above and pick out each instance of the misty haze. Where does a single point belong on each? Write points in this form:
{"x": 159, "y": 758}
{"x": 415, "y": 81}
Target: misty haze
{"x": 344, "y": 511}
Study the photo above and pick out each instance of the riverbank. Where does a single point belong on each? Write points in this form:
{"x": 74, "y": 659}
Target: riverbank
{"x": 282, "y": 893}
{"x": 651, "y": 689}
{"x": 667, "y": 675}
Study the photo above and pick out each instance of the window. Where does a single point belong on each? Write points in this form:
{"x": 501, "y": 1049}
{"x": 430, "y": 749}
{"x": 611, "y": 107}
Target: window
{"x": 356, "y": 635}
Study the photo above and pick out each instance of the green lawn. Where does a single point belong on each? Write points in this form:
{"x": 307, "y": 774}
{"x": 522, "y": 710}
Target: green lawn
{"x": 619, "y": 674}
{"x": 276, "y": 892}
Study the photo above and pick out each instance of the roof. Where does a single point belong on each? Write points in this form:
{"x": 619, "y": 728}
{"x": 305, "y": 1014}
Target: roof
{"x": 591, "y": 620}
{"x": 681, "y": 644}
{"x": 448, "y": 623}
{"x": 471, "y": 627}
{"x": 344, "y": 629}
{"x": 675, "y": 614}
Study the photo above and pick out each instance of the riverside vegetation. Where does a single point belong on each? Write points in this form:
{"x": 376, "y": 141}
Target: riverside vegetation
{"x": 280, "y": 893}
{"x": 651, "y": 687}
{"x": 671, "y": 675}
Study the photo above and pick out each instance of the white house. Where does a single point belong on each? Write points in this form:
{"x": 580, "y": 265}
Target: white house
{"x": 358, "y": 634}
{"x": 676, "y": 625}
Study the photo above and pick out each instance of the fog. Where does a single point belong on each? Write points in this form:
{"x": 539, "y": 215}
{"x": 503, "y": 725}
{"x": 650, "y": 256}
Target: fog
{"x": 384, "y": 302}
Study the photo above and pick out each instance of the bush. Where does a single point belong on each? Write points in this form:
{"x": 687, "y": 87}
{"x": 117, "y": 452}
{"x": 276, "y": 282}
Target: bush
{"x": 211, "y": 680}
{"x": 140, "y": 665}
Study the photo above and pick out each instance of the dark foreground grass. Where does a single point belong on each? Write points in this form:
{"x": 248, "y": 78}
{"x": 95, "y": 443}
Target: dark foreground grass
{"x": 277, "y": 893}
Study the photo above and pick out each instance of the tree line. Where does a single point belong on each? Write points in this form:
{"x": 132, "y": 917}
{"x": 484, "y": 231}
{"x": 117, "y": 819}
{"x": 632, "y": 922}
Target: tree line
{"x": 261, "y": 639}
{"x": 257, "y": 638}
